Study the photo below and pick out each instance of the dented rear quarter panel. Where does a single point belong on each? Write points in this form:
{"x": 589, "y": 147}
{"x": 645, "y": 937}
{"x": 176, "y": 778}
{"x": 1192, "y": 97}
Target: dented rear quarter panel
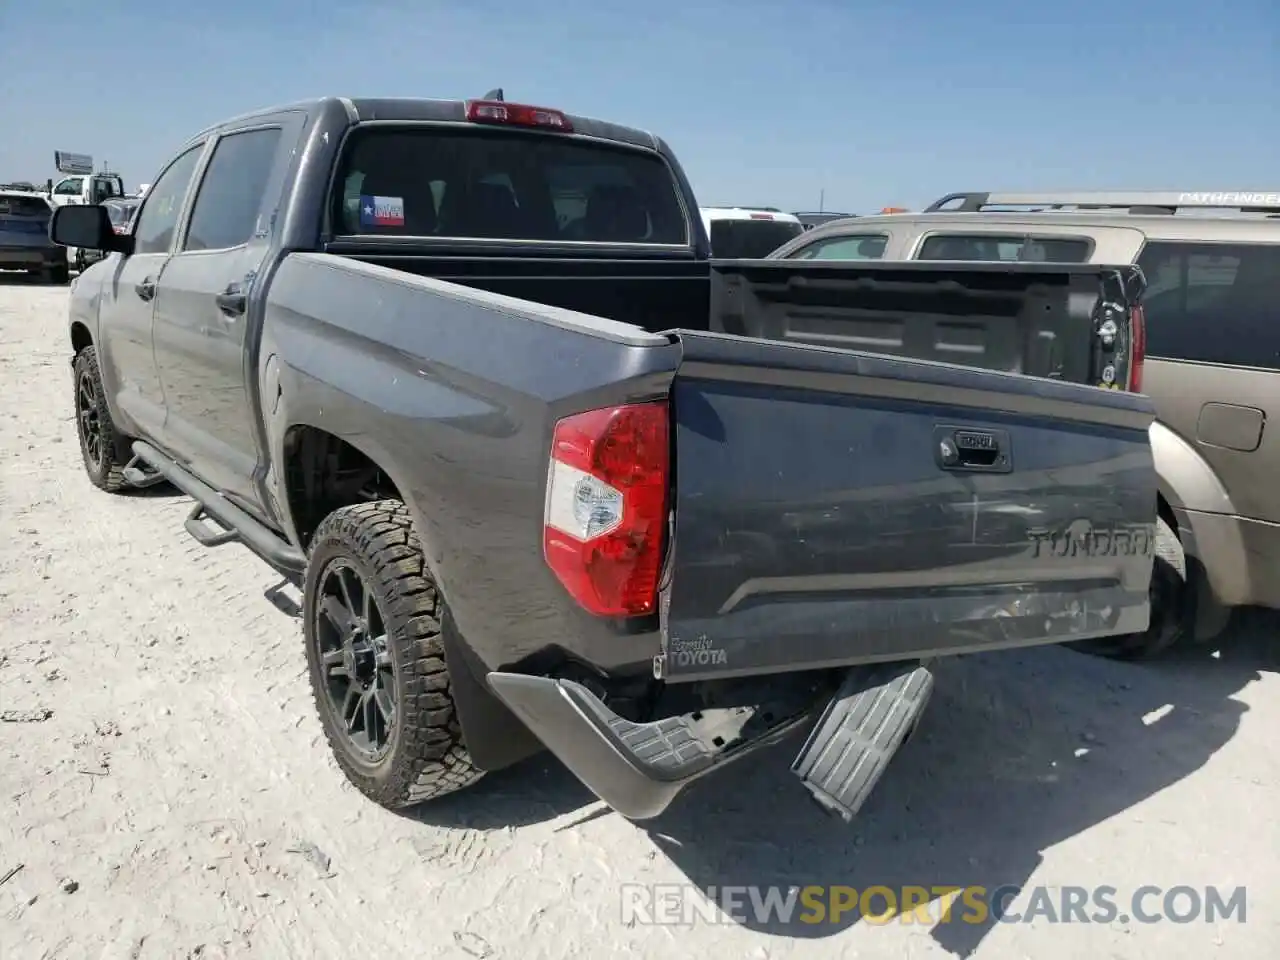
{"x": 454, "y": 392}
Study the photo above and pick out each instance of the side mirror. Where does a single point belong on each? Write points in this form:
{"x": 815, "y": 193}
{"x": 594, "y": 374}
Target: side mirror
{"x": 88, "y": 226}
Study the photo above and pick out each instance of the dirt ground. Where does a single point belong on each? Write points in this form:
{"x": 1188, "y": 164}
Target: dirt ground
{"x": 165, "y": 791}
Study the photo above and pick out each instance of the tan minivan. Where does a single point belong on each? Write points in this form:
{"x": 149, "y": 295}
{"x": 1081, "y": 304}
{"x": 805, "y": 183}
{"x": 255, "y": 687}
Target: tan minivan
{"x": 1212, "y": 263}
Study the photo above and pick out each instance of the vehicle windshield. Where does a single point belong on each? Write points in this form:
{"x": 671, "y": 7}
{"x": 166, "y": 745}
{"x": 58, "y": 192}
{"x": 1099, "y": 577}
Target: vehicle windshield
{"x": 436, "y": 182}
{"x": 750, "y": 239}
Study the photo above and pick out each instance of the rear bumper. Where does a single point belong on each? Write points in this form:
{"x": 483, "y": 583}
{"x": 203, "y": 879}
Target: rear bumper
{"x": 639, "y": 768}
{"x": 28, "y": 258}
{"x": 793, "y": 633}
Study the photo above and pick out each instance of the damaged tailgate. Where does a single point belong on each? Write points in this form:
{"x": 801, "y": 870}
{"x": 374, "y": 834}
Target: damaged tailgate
{"x": 834, "y": 508}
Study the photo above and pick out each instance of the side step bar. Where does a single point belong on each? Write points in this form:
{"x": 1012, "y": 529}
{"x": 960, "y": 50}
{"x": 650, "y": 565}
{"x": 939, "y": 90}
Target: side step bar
{"x": 871, "y": 716}
{"x": 140, "y": 475}
{"x": 237, "y": 525}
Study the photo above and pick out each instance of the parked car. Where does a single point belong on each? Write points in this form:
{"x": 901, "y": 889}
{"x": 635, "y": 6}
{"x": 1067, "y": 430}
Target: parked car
{"x": 747, "y": 233}
{"x": 121, "y": 210}
{"x": 24, "y": 237}
{"x": 439, "y": 361}
{"x": 1212, "y": 261}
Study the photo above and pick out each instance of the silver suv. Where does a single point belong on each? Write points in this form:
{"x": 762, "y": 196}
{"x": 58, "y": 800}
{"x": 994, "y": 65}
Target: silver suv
{"x": 1212, "y": 263}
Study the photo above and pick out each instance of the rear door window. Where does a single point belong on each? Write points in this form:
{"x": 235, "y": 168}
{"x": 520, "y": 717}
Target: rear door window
{"x": 229, "y": 200}
{"x": 1213, "y": 302}
{"x": 857, "y": 246}
{"x": 1005, "y": 249}
{"x": 442, "y": 183}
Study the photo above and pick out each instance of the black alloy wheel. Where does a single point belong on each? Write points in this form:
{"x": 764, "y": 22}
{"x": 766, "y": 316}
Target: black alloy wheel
{"x": 359, "y": 671}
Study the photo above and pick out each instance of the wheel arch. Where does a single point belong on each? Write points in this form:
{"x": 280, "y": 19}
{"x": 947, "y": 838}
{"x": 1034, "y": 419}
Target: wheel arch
{"x": 1189, "y": 486}
{"x": 310, "y": 456}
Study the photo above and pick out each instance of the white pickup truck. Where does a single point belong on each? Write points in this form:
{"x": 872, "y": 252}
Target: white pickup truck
{"x": 82, "y": 189}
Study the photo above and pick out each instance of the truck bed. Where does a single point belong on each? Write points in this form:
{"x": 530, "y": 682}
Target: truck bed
{"x": 1037, "y": 319}
{"x": 816, "y": 518}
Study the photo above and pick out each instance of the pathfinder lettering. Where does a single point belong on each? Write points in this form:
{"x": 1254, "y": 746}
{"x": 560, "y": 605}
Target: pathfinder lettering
{"x": 1091, "y": 543}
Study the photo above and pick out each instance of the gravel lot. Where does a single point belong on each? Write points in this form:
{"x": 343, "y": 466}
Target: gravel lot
{"x": 165, "y": 791}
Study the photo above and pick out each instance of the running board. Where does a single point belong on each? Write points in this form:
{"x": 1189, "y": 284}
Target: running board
{"x": 211, "y": 505}
{"x": 871, "y": 716}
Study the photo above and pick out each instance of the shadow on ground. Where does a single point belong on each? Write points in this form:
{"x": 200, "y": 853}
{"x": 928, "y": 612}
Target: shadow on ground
{"x": 1018, "y": 752}
{"x": 18, "y": 278}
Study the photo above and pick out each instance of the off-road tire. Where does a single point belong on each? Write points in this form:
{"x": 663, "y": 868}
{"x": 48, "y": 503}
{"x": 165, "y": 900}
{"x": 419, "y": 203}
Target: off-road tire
{"x": 107, "y": 475}
{"x": 1169, "y": 606}
{"x": 427, "y": 757}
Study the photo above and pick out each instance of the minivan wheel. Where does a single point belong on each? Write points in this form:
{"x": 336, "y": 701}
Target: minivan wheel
{"x": 371, "y": 625}
{"x": 1169, "y": 613}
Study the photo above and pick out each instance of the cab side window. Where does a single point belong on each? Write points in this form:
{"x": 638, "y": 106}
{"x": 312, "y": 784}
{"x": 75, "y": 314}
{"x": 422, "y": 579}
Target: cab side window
{"x": 229, "y": 201}
{"x": 70, "y": 187}
{"x": 158, "y": 217}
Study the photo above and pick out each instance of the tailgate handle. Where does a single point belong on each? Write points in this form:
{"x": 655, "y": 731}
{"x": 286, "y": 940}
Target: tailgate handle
{"x": 973, "y": 449}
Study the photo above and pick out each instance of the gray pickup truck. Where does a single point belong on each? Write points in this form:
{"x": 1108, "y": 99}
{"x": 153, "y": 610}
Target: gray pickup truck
{"x": 548, "y": 476}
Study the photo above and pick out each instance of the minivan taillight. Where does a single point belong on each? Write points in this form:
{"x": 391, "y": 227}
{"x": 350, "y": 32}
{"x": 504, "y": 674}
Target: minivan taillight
{"x": 1138, "y": 349}
{"x": 606, "y": 507}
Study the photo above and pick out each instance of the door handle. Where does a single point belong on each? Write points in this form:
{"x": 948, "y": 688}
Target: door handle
{"x": 973, "y": 449}
{"x": 232, "y": 302}
{"x": 145, "y": 289}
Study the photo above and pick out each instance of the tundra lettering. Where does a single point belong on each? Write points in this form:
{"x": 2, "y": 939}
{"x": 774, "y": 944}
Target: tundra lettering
{"x": 1081, "y": 540}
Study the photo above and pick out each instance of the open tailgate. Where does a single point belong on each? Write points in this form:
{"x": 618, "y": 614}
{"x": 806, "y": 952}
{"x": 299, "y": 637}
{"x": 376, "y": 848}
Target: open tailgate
{"x": 1042, "y": 319}
{"x": 834, "y": 507}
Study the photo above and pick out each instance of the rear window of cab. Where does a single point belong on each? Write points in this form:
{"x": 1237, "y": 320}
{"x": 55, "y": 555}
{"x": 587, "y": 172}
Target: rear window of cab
{"x": 440, "y": 182}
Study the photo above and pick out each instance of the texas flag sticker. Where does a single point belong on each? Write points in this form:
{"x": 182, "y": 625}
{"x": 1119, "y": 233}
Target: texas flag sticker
{"x": 381, "y": 211}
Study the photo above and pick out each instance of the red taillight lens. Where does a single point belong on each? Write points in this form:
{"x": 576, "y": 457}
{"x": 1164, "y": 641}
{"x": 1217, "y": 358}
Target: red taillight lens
{"x": 606, "y": 509}
{"x": 517, "y": 114}
{"x": 1138, "y": 351}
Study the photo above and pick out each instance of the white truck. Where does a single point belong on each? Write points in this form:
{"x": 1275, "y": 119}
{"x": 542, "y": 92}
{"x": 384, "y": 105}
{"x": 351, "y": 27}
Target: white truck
{"x": 748, "y": 233}
{"x": 80, "y": 184}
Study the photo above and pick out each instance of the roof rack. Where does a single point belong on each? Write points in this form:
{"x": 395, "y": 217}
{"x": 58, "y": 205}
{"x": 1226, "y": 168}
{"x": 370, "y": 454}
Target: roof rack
{"x": 1136, "y": 201}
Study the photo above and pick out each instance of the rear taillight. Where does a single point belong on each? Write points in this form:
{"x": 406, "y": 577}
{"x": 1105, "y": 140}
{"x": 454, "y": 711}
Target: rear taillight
{"x": 517, "y": 115}
{"x": 606, "y": 508}
{"x": 762, "y": 216}
{"x": 1138, "y": 348}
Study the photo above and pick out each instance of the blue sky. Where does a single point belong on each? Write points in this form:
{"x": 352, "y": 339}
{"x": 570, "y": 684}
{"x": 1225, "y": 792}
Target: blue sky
{"x": 764, "y": 102}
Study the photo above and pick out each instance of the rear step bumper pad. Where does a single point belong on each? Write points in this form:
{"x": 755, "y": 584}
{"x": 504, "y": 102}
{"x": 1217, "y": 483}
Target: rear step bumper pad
{"x": 871, "y": 716}
{"x": 636, "y": 768}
